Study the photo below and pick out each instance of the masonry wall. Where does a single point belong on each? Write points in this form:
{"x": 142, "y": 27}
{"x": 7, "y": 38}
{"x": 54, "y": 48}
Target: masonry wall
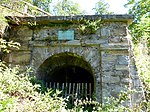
{"x": 108, "y": 50}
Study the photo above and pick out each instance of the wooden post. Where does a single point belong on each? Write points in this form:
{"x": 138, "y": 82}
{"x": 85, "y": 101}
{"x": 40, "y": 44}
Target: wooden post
{"x": 46, "y": 84}
{"x": 54, "y": 85}
{"x": 69, "y": 89}
{"x": 82, "y": 89}
{"x": 63, "y": 89}
{"x": 79, "y": 90}
{"x": 73, "y": 89}
{"x": 57, "y": 85}
{"x": 76, "y": 92}
{"x": 50, "y": 85}
{"x": 86, "y": 90}
{"x": 90, "y": 94}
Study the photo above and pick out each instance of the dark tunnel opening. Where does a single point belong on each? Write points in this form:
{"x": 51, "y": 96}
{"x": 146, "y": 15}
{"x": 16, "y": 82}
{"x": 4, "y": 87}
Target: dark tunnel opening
{"x": 69, "y": 73}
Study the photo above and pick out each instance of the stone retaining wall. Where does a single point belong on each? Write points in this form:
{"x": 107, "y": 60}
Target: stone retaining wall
{"x": 108, "y": 50}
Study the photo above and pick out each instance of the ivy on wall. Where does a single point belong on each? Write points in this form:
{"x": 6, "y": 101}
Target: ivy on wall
{"x": 89, "y": 27}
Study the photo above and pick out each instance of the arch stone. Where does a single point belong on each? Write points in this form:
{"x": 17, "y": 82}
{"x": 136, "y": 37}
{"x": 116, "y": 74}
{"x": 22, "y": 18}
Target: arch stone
{"x": 67, "y": 58}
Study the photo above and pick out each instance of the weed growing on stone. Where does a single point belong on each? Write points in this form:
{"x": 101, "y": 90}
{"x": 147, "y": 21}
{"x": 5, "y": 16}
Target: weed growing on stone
{"x": 89, "y": 27}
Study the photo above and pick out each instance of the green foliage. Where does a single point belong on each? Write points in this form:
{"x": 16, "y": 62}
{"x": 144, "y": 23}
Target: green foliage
{"x": 61, "y": 8}
{"x": 7, "y": 46}
{"x": 141, "y": 31}
{"x": 19, "y": 94}
{"x": 9, "y": 1}
{"x": 3, "y": 21}
{"x": 111, "y": 105}
{"x": 143, "y": 66}
{"x": 3, "y": 24}
{"x": 89, "y": 27}
{"x": 43, "y": 4}
{"x": 140, "y": 28}
{"x": 139, "y": 8}
{"x": 66, "y": 8}
{"x": 24, "y": 7}
{"x": 102, "y": 8}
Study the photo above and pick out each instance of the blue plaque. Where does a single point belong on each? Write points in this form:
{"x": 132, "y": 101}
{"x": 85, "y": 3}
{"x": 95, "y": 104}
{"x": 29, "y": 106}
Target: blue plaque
{"x": 66, "y": 35}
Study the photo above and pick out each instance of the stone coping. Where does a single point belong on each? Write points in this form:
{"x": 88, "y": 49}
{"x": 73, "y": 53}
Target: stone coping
{"x": 60, "y": 19}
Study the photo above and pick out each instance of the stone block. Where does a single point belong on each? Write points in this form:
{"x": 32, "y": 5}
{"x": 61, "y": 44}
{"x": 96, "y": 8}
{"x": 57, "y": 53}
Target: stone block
{"x": 118, "y": 73}
{"x": 110, "y": 79}
{"x": 105, "y": 32}
{"x": 24, "y": 33}
{"x": 46, "y": 34}
{"x": 137, "y": 82}
{"x": 95, "y": 62}
{"x": 114, "y": 50}
{"x": 126, "y": 81}
{"x": 118, "y": 39}
{"x": 107, "y": 66}
{"x": 122, "y": 60}
{"x": 115, "y": 90}
{"x": 110, "y": 73}
{"x": 119, "y": 31}
{"x": 99, "y": 41}
{"x": 20, "y": 57}
{"x": 105, "y": 93}
{"x": 25, "y": 46}
{"x": 115, "y": 39}
{"x": 109, "y": 58}
{"x": 73, "y": 42}
{"x": 122, "y": 73}
{"x": 121, "y": 67}
{"x": 138, "y": 97}
{"x": 133, "y": 77}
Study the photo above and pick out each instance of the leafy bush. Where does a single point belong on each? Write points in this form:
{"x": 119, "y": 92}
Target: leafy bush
{"x": 140, "y": 30}
{"x": 19, "y": 94}
{"x": 111, "y": 105}
{"x": 7, "y": 46}
{"x": 143, "y": 66}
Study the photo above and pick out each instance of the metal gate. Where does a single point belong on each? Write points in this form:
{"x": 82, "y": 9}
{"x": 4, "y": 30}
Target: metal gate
{"x": 75, "y": 90}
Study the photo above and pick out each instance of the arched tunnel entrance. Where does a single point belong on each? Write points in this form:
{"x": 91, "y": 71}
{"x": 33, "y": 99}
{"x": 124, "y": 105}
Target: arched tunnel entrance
{"x": 68, "y": 72}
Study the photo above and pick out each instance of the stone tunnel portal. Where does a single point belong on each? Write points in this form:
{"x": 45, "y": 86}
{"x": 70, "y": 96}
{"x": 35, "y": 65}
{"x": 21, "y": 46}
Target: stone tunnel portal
{"x": 69, "y": 73}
